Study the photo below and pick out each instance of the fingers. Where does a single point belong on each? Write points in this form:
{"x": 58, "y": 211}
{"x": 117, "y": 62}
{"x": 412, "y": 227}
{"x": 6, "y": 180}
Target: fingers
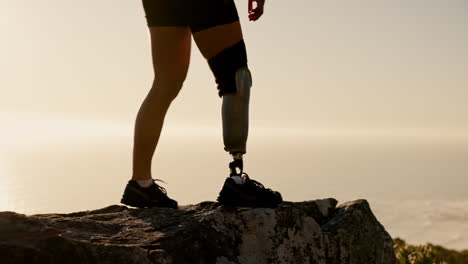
{"x": 257, "y": 12}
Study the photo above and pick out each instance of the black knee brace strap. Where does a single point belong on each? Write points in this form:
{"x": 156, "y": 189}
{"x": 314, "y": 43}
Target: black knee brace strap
{"x": 225, "y": 64}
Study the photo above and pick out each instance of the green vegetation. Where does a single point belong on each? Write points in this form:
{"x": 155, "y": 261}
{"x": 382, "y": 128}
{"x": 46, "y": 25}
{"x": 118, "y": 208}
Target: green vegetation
{"x": 427, "y": 254}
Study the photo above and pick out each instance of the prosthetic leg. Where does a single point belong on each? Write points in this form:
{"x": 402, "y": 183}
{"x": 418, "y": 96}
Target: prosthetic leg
{"x": 235, "y": 116}
{"x": 234, "y": 82}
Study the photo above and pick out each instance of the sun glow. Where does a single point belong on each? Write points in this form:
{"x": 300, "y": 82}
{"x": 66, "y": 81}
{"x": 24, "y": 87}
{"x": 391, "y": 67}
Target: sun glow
{"x": 32, "y": 129}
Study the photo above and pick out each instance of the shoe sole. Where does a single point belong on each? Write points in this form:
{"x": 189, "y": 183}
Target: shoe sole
{"x": 139, "y": 204}
{"x": 240, "y": 199}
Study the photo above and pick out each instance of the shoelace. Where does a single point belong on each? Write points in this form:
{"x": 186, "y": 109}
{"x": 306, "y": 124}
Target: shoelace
{"x": 162, "y": 189}
{"x": 256, "y": 183}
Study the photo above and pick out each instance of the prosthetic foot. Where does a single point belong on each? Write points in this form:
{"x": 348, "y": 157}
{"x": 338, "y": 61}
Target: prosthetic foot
{"x": 240, "y": 190}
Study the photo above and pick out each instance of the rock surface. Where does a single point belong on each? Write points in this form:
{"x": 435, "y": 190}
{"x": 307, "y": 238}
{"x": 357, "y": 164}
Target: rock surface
{"x": 306, "y": 232}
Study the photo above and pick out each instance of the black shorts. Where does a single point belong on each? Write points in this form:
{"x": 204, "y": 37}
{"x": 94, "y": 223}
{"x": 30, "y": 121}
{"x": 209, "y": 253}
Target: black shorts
{"x": 197, "y": 14}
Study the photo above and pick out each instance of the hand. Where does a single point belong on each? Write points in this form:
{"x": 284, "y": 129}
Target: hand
{"x": 257, "y": 12}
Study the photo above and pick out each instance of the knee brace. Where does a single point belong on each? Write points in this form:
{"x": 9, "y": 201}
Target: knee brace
{"x": 224, "y": 66}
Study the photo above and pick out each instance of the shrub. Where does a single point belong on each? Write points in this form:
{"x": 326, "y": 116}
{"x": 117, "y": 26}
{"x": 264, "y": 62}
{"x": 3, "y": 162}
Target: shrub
{"x": 427, "y": 254}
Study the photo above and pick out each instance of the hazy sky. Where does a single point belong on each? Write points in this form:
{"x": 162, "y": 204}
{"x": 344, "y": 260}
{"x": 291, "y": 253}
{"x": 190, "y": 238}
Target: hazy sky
{"x": 361, "y": 64}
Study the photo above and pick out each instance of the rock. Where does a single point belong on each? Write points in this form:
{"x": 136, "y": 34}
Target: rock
{"x": 304, "y": 232}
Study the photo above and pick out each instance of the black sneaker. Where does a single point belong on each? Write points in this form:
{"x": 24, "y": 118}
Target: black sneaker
{"x": 153, "y": 196}
{"x": 251, "y": 193}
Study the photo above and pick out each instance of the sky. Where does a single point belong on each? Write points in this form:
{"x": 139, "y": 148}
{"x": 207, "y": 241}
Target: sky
{"x": 342, "y": 65}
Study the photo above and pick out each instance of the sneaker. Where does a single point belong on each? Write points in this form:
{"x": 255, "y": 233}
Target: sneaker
{"x": 153, "y": 196}
{"x": 251, "y": 193}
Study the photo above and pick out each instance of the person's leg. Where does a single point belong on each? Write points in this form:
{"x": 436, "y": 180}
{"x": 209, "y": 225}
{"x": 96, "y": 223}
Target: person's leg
{"x": 171, "y": 56}
{"x": 224, "y": 48}
{"x": 213, "y": 40}
{"x": 218, "y": 35}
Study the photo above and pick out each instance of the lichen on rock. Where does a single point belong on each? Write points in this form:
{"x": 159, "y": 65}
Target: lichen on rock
{"x": 316, "y": 231}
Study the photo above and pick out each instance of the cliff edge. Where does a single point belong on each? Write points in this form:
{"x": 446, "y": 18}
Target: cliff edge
{"x": 316, "y": 231}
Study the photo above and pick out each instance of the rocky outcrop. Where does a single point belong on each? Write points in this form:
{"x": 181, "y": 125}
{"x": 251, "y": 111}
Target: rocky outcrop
{"x": 306, "y": 232}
